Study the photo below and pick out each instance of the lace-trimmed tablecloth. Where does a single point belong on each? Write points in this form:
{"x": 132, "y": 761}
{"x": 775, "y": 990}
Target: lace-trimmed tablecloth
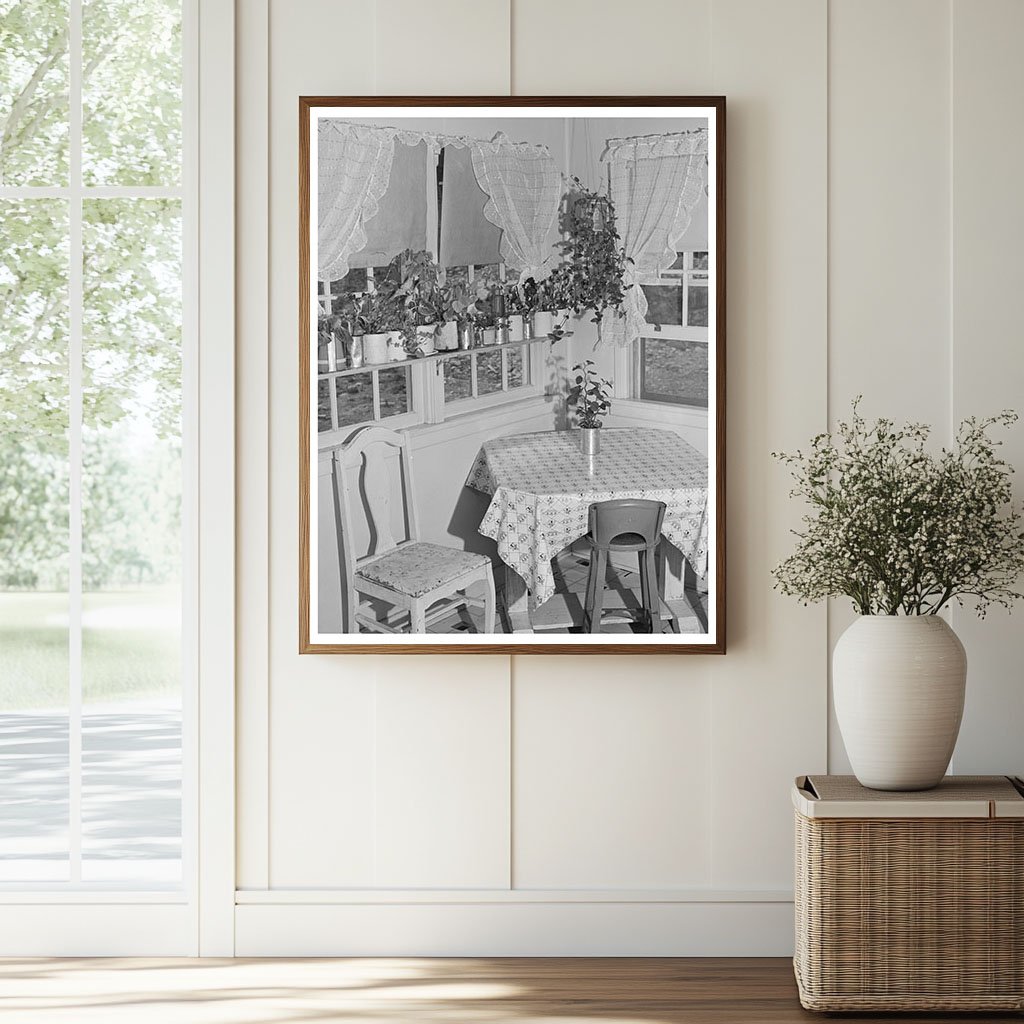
{"x": 542, "y": 487}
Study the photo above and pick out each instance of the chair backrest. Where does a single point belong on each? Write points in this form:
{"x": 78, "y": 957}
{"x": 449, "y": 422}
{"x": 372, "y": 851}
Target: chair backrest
{"x": 611, "y": 519}
{"x": 361, "y": 474}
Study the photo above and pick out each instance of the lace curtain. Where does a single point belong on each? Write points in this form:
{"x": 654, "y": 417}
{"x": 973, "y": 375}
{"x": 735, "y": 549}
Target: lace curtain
{"x": 521, "y": 181}
{"x": 655, "y": 182}
{"x": 524, "y": 189}
{"x": 353, "y": 171}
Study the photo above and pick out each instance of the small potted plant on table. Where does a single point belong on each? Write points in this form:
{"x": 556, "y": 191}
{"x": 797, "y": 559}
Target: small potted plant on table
{"x": 590, "y": 395}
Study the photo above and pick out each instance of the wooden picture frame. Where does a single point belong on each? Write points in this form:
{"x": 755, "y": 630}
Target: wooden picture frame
{"x": 319, "y": 515}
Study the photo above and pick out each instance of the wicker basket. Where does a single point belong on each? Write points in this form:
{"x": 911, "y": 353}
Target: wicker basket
{"x": 910, "y": 901}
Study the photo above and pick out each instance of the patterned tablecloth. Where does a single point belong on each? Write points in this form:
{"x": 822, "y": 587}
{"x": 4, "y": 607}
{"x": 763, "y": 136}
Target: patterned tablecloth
{"x": 542, "y": 487}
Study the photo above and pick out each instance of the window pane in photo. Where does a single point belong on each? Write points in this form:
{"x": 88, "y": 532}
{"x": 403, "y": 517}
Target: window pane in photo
{"x": 664, "y": 304}
{"x": 680, "y": 262}
{"x": 353, "y": 281}
{"x": 131, "y": 92}
{"x": 34, "y": 92}
{"x": 697, "y": 306}
{"x": 131, "y": 541}
{"x": 394, "y": 391}
{"x": 34, "y": 563}
{"x": 488, "y": 372}
{"x": 517, "y": 367}
{"x": 355, "y": 399}
{"x": 700, "y": 261}
{"x": 674, "y": 371}
{"x": 458, "y": 379}
{"x": 323, "y": 406}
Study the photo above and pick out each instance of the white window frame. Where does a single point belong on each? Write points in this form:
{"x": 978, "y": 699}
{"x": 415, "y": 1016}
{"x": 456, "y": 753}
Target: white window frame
{"x": 75, "y": 918}
{"x": 628, "y": 359}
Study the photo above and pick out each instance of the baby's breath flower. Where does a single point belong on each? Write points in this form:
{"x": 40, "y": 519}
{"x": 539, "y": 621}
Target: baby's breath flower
{"x": 898, "y": 529}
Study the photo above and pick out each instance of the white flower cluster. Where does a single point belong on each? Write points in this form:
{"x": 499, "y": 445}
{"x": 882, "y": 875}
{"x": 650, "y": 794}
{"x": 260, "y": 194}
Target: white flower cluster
{"x": 898, "y": 529}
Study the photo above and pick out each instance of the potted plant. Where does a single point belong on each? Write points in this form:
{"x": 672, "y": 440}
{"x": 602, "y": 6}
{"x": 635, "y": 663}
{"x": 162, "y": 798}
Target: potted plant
{"x": 902, "y": 532}
{"x": 591, "y": 273}
{"x": 516, "y": 311}
{"x": 590, "y": 395}
{"x": 373, "y": 316}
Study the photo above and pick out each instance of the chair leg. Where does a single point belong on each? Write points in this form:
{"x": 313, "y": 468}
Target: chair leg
{"x": 417, "y": 618}
{"x": 597, "y": 600}
{"x": 489, "y": 600}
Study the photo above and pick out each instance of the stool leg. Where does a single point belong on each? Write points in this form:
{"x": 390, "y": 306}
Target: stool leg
{"x": 653, "y": 599}
{"x": 597, "y": 601}
{"x": 588, "y": 596}
{"x": 641, "y": 564}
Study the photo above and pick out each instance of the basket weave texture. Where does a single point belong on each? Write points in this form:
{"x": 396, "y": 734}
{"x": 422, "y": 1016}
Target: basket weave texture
{"x": 909, "y": 913}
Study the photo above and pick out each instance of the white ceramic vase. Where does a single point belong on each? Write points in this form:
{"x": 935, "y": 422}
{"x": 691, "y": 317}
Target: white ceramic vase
{"x": 898, "y": 685}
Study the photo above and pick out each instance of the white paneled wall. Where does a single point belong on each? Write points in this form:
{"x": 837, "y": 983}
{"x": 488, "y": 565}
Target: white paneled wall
{"x": 625, "y": 805}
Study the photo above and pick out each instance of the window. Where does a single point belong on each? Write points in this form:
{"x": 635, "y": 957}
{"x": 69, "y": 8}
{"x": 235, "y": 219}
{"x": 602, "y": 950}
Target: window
{"x": 93, "y": 480}
{"x": 413, "y": 391}
{"x": 672, "y": 360}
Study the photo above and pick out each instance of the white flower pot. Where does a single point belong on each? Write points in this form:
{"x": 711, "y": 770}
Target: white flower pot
{"x": 543, "y": 323}
{"x": 898, "y": 685}
{"x": 425, "y": 339}
{"x": 396, "y": 346}
{"x": 375, "y": 348}
{"x": 515, "y": 327}
{"x": 448, "y": 336}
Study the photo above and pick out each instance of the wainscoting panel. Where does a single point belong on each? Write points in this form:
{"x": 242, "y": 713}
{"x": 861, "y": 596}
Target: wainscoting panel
{"x": 889, "y": 244}
{"x": 441, "y": 798}
{"x": 611, "y": 774}
{"x": 986, "y": 369}
{"x": 768, "y": 693}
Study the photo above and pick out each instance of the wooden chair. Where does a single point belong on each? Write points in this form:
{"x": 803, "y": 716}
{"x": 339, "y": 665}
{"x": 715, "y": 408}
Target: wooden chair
{"x": 425, "y": 580}
{"x": 624, "y": 525}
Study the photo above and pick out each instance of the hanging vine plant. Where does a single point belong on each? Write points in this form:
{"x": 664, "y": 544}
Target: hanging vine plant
{"x": 590, "y": 274}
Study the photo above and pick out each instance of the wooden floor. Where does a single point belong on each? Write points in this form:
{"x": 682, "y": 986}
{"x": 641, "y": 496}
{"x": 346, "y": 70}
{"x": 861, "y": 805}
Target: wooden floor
{"x": 382, "y": 991}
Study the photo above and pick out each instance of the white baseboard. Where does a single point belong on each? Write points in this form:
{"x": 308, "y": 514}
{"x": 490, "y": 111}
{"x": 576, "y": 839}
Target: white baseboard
{"x": 515, "y": 928}
{"x": 99, "y": 928}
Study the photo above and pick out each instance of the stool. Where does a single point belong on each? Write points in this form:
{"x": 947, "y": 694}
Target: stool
{"x": 625, "y": 524}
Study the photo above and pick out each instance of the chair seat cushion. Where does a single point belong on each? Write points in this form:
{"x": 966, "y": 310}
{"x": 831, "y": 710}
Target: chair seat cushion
{"x": 418, "y": 568}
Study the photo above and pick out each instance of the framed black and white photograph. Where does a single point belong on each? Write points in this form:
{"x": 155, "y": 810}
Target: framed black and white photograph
{"x": 511, "y": 372}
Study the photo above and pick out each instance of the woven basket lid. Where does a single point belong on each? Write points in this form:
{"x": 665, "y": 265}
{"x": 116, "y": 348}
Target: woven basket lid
{"x": 957, "y": 796}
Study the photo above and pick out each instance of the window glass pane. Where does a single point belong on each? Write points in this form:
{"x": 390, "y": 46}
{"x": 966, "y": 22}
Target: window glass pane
{"x": 131, "y": 92}
{"x": 674, "y": 371}
{"x": 355, "y": 399}
{"x": 700, "y": 261}
{"x": 131, "y": 541}
{"x": 488, "y": 372}
{"x": 323, "y": 405}
{"x": 679, "y": 264}
{"x": 517, "y": 367}
{"x": 33, "y": 92}
{"x": 458, "y": 378}
{"x": 664, "y": 304}
{"x": 394, "y": 391}
{"x": 34, "y": 478}
{"x": 697, "y": 306}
